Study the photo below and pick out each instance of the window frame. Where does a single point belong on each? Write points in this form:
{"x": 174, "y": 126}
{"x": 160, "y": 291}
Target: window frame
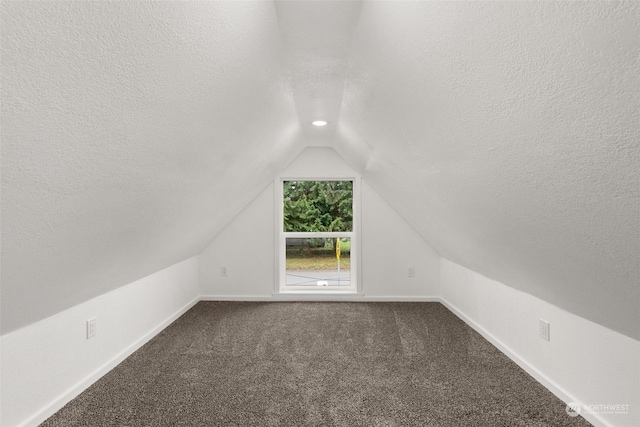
{"x": 281, "y": 237}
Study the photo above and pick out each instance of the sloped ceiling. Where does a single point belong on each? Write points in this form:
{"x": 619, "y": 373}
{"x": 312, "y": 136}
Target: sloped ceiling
{"x": 506, "y": 133}
{"x": 132, "y": 132}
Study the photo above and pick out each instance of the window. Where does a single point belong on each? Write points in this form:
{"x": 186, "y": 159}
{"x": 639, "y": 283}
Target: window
{"x": 317, "y": 236}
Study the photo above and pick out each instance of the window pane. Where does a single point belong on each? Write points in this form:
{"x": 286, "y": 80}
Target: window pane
{"x": 318, "y": 262}
{"x": 311, "y": 206}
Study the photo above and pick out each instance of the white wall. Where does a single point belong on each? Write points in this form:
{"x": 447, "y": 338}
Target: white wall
{"x": 583, "y": 362}
{"x": 46, "y": 364}
{"x": 388, "y": 245}
{"x": 246, "y": 248}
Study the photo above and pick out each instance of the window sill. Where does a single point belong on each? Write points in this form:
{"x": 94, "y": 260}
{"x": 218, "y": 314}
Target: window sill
{"x": 316, "y": 293}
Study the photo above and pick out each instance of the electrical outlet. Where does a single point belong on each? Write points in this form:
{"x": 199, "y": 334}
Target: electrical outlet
{"x": 223, "y": 271}
{"x": 545, "y": 330}
{"x": 92, "y": 327}
{"x": 411, "y": 272}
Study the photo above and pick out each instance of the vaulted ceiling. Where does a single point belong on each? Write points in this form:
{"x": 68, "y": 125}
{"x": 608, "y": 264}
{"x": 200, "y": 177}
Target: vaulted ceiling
{"x": 506, "y": 133}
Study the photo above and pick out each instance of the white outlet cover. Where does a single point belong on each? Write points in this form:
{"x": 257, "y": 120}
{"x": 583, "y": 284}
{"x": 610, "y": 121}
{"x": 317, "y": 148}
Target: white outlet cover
{"x": 92, "y": 327}
{"x": 545, "y": 330}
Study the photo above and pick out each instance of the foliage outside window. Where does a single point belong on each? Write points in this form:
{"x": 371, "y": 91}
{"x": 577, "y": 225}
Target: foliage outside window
{"x": 318, "y": 206}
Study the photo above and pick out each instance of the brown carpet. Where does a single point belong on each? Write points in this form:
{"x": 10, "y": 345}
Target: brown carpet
{"x": 316, "y": 364}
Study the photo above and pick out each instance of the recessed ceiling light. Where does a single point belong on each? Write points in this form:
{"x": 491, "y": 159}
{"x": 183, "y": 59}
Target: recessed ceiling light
{"x": 319, "y": 123}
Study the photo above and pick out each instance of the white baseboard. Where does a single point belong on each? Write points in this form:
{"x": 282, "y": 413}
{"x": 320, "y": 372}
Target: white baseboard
{"x": 400, "y": 299}
{"x": 547, "y": 382}
{"x": 236, "y": 298}
{"x": 79, "y": 387}
{"x": 318, "y": 297}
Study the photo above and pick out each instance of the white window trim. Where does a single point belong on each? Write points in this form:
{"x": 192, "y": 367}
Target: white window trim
{"x": 280, "y": 240}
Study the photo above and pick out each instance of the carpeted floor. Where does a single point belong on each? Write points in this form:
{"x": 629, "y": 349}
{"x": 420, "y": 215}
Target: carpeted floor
{"x": 316, "y": 364}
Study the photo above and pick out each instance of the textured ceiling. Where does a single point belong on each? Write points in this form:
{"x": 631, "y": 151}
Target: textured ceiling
{"x": 132, "y": 133}
{"x": 506, "y": 133}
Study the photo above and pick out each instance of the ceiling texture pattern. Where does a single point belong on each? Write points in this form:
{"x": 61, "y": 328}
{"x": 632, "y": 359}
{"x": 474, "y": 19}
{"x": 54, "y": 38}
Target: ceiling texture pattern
{"x": 506, "y": 133}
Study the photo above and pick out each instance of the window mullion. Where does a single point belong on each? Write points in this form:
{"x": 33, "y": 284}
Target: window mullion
{"x": 319, "y": 235}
